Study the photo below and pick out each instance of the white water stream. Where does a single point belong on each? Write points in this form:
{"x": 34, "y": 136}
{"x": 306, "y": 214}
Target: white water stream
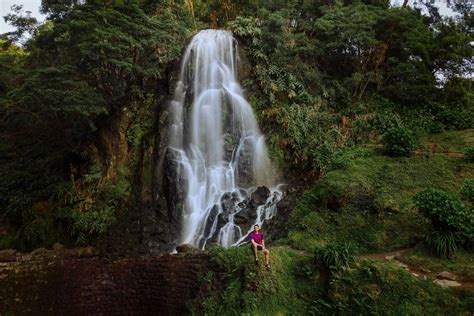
{"x": 217, "y": 143}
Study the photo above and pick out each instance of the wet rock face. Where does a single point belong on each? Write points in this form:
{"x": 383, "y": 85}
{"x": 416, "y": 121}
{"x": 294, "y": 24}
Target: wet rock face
{"x": 259, "y": 196}
{"x": 244, "y": 211}
{"x": 167, "y": 285}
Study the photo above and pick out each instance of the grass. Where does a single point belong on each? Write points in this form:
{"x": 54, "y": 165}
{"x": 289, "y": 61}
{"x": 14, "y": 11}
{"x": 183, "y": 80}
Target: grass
{"x": 368, "y": 198}
{"x": 292, "y": 288}
{"x": 248, "y": 289}
{"x": 462, "y": 264}
{"x": 450, "y": 141}
{"x": 375, "y": 288}
{"x": 365, "y": 199}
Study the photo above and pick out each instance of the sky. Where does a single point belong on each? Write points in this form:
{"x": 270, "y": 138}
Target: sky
{"x": 28, "y": 5}
{"x": 33, "y": 6}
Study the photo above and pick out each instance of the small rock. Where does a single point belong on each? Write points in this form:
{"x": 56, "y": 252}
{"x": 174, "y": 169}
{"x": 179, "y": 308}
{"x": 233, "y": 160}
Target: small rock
{"x": 40, "y": 253}
{"x": 447, "y": 276}
{"x": 447, "y": 283}
{"x": 414, "y": 274}
{"x": 389, "y": 258}
{"x": 400, "y": 264}
{"x": 425, "y": 270}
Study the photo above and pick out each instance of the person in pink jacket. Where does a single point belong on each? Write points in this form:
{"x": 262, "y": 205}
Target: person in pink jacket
{"x": 258, "y": 243}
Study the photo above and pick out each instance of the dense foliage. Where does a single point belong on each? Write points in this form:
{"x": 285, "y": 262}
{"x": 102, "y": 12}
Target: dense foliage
{"x": 452, "y": 221}
{"x": 366, "y": 288}
{"x": 87, "y": 76}
{"x": 399, "y": 142}
{"x": 82, "y": 98}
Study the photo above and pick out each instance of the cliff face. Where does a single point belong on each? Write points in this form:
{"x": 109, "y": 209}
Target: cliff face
{"x": 167, "y": 285}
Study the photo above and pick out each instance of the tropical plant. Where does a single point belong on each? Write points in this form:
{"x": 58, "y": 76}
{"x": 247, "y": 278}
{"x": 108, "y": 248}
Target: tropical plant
{"x": 335, "y": 256}
{"x": 443, "y": 244}
{"x": 452, "y": 221}
{"x": 399, "y": 142}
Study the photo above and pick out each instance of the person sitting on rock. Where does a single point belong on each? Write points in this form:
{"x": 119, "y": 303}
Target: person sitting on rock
{"x": 258, "y": 243}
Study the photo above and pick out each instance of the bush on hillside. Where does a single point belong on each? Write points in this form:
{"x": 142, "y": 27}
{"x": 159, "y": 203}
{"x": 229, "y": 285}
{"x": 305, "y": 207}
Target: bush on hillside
{"x": 469, "y": 153}
{"x": 467, "y": 191}
{"x": 375, "y": 288}
{"x": 399, "y": 142}
{"x": 455, "y": 119}
{"x": 453, "y": 222}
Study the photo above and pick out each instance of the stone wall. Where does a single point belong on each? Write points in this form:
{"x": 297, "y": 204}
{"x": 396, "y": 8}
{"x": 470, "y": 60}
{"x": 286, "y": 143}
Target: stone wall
{"x": 166, "y": 285}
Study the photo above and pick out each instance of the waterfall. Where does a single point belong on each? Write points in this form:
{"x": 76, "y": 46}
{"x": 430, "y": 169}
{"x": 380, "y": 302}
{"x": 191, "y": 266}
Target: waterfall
{"x": 220, "y": 152}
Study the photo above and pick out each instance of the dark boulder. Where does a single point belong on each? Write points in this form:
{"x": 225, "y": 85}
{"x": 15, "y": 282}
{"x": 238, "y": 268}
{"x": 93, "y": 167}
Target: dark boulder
{"x": 259, "y": 196}
{"x": 227, "y": 203}
{"x": 245, "y": 216}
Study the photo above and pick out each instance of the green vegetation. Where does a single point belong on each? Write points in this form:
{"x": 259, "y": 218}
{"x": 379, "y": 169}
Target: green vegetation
{"x": 467, "y": 191}
{"x": 335, "y": 256}
{"x": 452, "y": 221}
{"x": 375, "y": 288}
{"x": 469, "y": 152}
{"x": 398, "y": 142}
{"x": 345, "y": 92}
{"x": 250, "y": 289}
{"x": 91, "y": 82}
{"x": 292, "y": 288}
{"x": 367, "y": 198}
{"x": 86, "y": 76}
{"x": 462, "y": 264}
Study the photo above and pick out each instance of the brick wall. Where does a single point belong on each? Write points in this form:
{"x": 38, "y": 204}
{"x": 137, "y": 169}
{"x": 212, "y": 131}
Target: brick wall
{"x": 165, "y": 285}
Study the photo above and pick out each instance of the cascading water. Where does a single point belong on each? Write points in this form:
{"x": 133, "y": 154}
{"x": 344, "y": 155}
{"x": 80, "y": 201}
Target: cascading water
{"x": 220, "y": 152}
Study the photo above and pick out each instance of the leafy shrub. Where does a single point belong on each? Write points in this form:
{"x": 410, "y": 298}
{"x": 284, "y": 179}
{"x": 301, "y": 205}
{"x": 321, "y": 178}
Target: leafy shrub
{"x": 435, "y": 127}
{"x": 335, "y": 256}
{"x": 455, "y": 119}
{"x": 37, "y": 229}
{"x": 442, "y": 243}
{"x": 311, "y": 153}
{"x": 384, "y": 121}
{"x": 92, "y": 223}
{"x": 469, "y": 153}
{"x": 246, "y": 27}
{"x": 445, "y": 210}
{"x": 399, "y": 142}
{"x": 467, "y": 190}
{"x": 453, "y": 222}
